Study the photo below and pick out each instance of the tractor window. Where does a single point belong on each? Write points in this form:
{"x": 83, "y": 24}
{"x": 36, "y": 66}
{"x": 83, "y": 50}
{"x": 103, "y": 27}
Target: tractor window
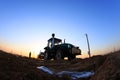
{"x": 49, "y": 44}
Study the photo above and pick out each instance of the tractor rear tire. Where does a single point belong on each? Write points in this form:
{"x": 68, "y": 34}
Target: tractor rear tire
{"x": 59, "y": 55}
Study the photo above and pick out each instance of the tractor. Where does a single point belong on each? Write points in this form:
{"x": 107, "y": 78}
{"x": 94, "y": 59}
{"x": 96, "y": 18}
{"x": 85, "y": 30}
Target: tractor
{"x": 57, "y": 50}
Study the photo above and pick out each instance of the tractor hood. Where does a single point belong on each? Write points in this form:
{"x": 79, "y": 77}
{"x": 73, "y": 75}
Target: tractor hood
{"x": 68, "y": 44}
{"x": 73, "y": 49}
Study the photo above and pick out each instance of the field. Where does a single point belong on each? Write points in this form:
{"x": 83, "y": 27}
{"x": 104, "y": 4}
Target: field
{"x": 14, "y": 67}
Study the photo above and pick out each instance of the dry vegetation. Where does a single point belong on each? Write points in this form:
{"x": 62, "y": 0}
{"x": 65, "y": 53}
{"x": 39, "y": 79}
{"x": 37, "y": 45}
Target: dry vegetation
{"x": 14, "y": 67}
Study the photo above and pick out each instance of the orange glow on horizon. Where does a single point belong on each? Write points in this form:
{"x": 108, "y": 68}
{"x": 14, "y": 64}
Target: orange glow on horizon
{"x": 35, "y": 50}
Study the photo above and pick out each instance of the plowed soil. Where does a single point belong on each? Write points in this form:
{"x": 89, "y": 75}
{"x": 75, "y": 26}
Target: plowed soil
{"x": 14, "y": 67}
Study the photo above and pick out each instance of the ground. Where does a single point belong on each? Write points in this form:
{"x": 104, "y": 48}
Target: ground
{"x": 14, "y": 67}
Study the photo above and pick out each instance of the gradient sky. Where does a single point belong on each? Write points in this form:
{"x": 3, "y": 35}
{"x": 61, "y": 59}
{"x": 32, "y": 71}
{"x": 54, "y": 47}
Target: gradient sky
{"x": 26, "y": 25}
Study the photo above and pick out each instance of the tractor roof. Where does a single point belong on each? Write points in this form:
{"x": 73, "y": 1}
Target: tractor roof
{"x": 55, "y": 39}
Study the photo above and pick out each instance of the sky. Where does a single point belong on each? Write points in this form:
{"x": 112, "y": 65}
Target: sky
{"x": 26, "y": 25}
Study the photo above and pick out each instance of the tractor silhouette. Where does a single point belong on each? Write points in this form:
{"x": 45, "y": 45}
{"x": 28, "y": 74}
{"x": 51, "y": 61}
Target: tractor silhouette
{"x": 57, "y": 50}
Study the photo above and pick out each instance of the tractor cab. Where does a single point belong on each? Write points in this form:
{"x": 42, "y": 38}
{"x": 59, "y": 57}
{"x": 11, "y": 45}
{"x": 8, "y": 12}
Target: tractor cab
{"x": 53, "y": 41}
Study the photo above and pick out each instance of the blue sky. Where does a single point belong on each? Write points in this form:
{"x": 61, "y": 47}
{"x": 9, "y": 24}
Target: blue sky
{"x": 26, "y": 25}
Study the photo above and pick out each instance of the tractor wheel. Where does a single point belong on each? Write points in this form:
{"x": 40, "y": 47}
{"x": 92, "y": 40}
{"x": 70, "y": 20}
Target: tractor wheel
{"x": 71, "y": 57}
{"x": 59, "y": 55}
{"x": 46, "y": 56}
